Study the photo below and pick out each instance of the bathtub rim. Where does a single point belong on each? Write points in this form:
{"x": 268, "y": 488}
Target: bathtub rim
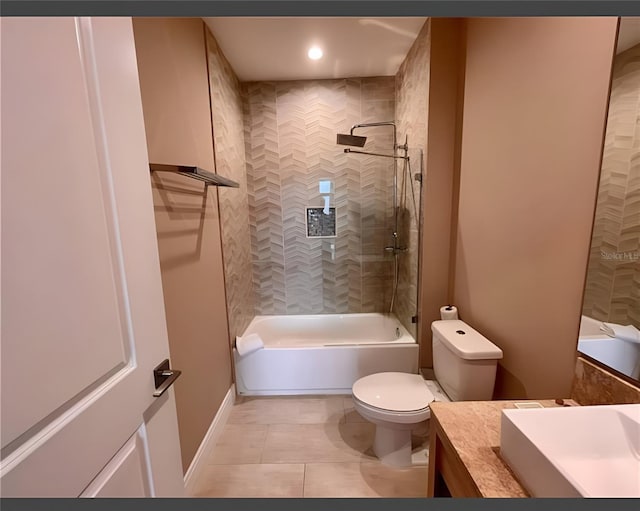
{"x": 405, "y": 339}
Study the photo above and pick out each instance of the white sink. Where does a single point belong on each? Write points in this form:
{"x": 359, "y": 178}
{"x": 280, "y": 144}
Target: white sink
{"x": 578, "y": 451}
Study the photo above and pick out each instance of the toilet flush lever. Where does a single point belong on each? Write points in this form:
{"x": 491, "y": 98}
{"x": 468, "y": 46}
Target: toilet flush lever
{"x": 163, "y": 377}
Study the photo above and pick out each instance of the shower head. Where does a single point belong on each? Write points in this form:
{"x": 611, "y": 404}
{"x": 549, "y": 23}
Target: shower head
{"x": 351, "y": 140}
{"x": 356, "y": 141}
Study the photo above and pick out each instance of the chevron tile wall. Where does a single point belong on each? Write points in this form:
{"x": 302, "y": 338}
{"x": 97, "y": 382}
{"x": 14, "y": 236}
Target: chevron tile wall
{"x": 613, "y": 278}
{"x": 290, "y": 141}
{"x": 278, "y": 140}
{"x": 412, "y": 93}
{"x": 229, "y": 150}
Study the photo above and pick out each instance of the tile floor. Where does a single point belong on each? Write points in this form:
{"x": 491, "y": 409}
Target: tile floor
{"x": 304, "y": 446}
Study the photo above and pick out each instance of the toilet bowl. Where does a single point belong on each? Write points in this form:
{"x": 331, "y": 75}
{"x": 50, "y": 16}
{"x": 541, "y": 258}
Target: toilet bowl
{"x": 396, "y": 403}
{"x": 464, "y": 364}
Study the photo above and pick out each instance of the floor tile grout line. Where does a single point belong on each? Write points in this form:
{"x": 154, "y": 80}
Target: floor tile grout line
{"x": 306, "y": 495}
{"x": 304, "y": 479}
{"x": 342, "y": 420}
{"x": 264, "y": 444}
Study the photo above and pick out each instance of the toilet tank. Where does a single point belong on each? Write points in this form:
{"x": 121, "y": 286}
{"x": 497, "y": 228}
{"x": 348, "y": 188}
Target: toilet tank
{"x": 464, "y": 361}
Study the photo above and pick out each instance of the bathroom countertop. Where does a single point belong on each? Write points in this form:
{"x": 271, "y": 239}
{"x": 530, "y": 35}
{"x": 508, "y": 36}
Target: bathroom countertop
{"x": 468, "y": 435}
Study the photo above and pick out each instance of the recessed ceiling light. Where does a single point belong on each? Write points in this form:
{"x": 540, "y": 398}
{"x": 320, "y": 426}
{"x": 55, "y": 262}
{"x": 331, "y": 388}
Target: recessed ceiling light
{"x": 315, "y": 53}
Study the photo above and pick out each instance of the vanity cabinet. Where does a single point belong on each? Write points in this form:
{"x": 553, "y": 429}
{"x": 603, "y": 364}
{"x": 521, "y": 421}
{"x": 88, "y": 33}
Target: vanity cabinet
{"x": 448, "y": 477}
{"x": 464, "y": 450}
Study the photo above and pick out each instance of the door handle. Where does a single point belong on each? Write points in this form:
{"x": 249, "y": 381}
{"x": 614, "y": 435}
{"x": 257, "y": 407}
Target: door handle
{"x": 163, "y": 377}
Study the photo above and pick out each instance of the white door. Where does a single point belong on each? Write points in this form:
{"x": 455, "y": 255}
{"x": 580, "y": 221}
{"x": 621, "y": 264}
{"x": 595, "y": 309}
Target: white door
{"x": 83, "y": 321}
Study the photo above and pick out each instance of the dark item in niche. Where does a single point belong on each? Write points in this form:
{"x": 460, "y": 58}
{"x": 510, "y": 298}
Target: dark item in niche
{"x": 319, "y": 224}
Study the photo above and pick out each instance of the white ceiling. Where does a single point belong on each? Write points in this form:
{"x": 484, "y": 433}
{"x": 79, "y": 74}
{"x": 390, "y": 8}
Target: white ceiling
{"x": 629, "y": 34}
{"x": 276, "y": 48}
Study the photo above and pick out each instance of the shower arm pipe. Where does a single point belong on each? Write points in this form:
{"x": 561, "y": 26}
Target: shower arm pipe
{"x": 377, "y": 154}
{"x": 383, "y": 123}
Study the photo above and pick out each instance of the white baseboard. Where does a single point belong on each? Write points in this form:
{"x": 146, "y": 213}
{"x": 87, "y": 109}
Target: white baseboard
{"x": 209, "y": 441}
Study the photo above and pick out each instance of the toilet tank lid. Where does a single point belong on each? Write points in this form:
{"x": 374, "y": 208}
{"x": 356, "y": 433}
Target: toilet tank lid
{"x": 464, "y": 341}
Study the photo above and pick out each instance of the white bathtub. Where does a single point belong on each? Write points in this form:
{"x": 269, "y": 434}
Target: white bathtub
{"x": 623, "y": 356}
{"x": 322, "y": 354}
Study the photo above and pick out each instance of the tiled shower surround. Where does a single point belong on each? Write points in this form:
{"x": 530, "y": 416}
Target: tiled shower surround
{"x": 226, "y": 103}
{"x": 612, "y": 290}
{"x": 288, "y": 132}
{"x": 412, "y": 110}
{"x": 290, "y": 139}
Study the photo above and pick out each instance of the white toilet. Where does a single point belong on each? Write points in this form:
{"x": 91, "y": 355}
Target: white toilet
{"x": 464, "y": 364}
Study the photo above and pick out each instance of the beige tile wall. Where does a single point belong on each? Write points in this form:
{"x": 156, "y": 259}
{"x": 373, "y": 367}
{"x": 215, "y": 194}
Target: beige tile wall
{"x": 229, "y": 145}
{"x": 289, "y": 145}
{"x": 412, "y": 108}
{"x": 612, "y": 291}
{"x": 290, "y": 140}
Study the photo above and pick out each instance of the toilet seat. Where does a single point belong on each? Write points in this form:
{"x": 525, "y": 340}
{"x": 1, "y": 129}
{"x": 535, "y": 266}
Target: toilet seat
{"x": 391, "y": 417}
{"x": 398, "y": 394}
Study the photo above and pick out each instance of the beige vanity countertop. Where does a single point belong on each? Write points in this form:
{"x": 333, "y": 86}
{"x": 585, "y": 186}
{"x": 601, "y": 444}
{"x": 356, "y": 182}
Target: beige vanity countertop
{"x": 472, "y": 428}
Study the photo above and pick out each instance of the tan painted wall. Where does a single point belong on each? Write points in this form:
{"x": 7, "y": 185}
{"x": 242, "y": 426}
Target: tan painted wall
{"x": 442, "y": 163}
{"x": 535, "y": 100}
{"x": 175, "y": 98}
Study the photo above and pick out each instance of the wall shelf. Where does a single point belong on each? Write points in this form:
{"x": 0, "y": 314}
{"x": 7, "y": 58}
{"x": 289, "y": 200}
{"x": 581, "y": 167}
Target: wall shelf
{"x": 208, "y": 178}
